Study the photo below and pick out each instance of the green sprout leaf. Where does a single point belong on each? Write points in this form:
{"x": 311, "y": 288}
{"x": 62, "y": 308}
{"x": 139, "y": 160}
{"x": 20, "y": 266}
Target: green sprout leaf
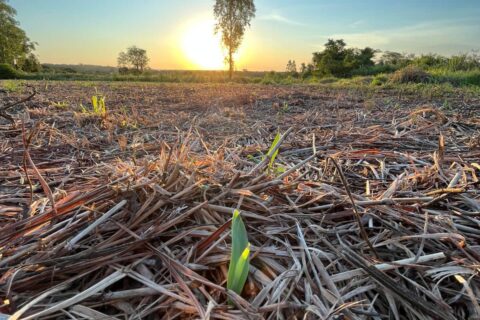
{"x": 272, "y": 147}
{"x": 98, "y": 105}
{"x": 102, "y": 108}
{"x": 95, "y": 103}
{"x": 239, "y": 265}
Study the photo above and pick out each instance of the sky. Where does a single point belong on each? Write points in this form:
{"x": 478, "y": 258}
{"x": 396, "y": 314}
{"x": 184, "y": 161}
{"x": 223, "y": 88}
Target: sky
{"x": 178, "y": 33}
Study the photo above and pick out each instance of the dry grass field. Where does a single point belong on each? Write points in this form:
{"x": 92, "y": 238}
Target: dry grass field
{"x": 369, "y": 210}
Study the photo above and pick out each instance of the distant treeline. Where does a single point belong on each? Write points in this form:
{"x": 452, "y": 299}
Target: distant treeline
{"x": 77, "y": 68}
{"x": 337, "y": 60}
{"x": 334, "y": 63}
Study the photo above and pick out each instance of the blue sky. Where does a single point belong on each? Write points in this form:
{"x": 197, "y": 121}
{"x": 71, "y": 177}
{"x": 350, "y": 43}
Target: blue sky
{"x": 94, "y": 31}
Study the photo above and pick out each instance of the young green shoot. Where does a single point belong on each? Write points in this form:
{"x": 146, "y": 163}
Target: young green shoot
{"x": 98, "y": 104}
{"x": 239, "y": 264}
{"x": 272, "y": 147}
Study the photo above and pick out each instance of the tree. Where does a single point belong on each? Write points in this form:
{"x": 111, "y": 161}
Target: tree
{"x": 306, "y": 70}
{"x": 15, "y": 46}
{"x": 364, "y": 57}
{"x": 291, "y": 67}
{"x": 233, "y": 17}
{"x": 134, "y": 58}
{"x": 122, "y": 60}
{"x": 394, "y": 59}
{"x": 338, "y": 60}
{"x": 331, "y": 61}
{"x": 303, "y": 68}
{"x": 32, "y": 64}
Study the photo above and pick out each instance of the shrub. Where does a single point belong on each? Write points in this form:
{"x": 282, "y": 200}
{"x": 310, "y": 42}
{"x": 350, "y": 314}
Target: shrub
{"x": 8, "y": 72}
{"x": 327, "y": 80}
{"x": 339, "y": 61}
{"x": 429, "y": 61}
{"x": 464, "y": 62}
{"x": 31, "y": 64}
{"x": 123, "y": 70}
{"x": 410, "y": 74}
{"x": 457, "y": 78}
{"x": 379, "y": 80}
{"x": 373, "y": 70}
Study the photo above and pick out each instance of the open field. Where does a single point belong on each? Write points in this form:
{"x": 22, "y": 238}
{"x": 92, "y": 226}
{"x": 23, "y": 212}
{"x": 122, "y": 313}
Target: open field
{"x": 369, "y": 211}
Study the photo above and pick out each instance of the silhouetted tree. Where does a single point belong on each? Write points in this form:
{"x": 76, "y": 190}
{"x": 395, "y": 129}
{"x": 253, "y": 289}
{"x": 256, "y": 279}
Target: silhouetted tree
{"x": 291, "y": 67}
{"x": 233, "y": 17}
{"x": 122, "y": 60}
{"x": 134, "y": 58}
{"x": 303, "y": 67}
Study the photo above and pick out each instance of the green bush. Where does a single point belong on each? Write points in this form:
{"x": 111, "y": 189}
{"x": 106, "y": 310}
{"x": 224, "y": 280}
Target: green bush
{"x": 457, "y": 78}
{"x": 429, "y": 61}
{"x": 379, "y": 80}
{"x": 410, "y": 74}
{"x": 464, "y": 62}
{"x": 355, "y": 81}
{"x": 373, "y": 70}
{"x": 8, "y": 72}
{"x": 327, "y": 80}
{"x": 339, "y": 61}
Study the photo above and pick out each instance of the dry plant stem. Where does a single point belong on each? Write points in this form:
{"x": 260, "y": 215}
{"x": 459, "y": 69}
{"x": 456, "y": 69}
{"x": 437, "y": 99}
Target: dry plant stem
{"x": 297, "y": 166}
{"x": 106, "y": 282}
{"x": 347, "y": 275}
{"x": 90, "y": 313}
{"x": 415, "y": 300}
{"x": 36, "y": 300}
{"x": 4, "y": 109}
{"x": 354, "y": 207}
{"x": 43, "y": 183}
{"x": 26, "y": 143}
{"x": 71, "y": 243}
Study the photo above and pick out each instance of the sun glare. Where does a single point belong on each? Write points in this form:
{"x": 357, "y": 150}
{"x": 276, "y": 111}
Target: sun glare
{"x": 201, "y": 47}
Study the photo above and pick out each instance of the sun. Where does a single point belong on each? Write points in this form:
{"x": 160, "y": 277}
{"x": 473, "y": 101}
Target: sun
{"x": 201, "y": 47}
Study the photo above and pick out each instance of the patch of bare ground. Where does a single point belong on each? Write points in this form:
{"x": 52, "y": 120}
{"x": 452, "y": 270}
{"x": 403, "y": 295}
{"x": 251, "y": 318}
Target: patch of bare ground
{"x": 369, "y": 211}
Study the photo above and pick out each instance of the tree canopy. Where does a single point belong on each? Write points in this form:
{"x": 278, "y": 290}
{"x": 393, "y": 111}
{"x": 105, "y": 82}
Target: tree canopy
{"x": 338, "y": 60}
{"x": 134, "y": 58}
{"x": 291, "y": 67}
{"x": 233, "y": 17}
{"x": 15, "y": 47}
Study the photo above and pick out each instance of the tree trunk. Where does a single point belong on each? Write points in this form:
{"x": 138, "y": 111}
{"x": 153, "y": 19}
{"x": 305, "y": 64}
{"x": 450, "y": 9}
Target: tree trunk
{"x": 230, "y": 62}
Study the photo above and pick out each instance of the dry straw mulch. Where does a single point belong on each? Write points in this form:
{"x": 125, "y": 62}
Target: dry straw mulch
{"x": 365, "y": 232}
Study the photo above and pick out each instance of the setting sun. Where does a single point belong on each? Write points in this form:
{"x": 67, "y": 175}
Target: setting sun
{"x": 201, "y": 47}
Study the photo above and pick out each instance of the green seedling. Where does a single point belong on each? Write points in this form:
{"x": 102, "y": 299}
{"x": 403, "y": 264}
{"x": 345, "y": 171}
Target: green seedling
{"x": 272, "y": 147}
{"x": 12, "y": 85}
{"x": 98, "y": 104}
{"x": 60, "y": 104}
{"x": 83, "y": 108}
{"x": 239, "y": 264}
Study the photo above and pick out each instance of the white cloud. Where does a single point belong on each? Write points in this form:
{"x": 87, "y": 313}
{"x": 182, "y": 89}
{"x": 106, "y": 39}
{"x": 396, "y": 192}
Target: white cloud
{"x": 357, "y": 23}
{"x": 279, "y": 18}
